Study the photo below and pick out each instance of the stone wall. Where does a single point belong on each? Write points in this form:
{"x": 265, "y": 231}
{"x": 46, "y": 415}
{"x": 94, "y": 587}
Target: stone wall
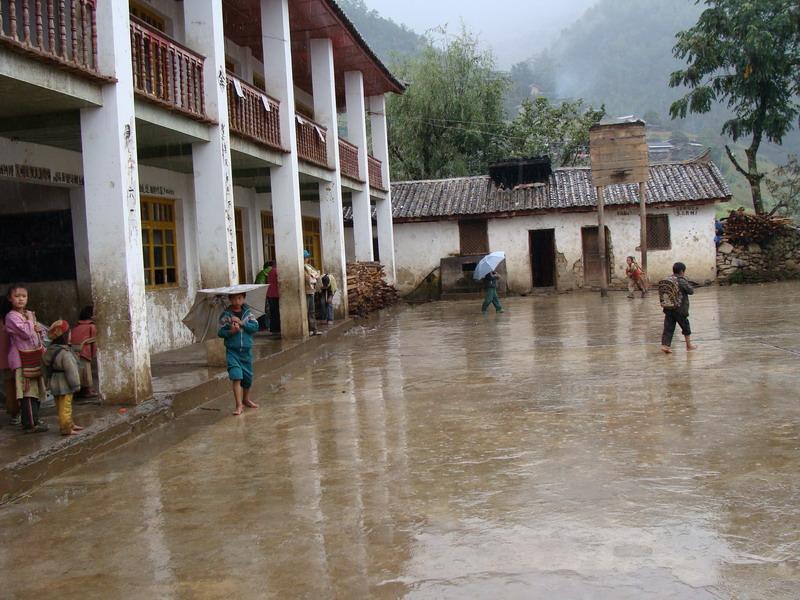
{"x": 776, "y": 258}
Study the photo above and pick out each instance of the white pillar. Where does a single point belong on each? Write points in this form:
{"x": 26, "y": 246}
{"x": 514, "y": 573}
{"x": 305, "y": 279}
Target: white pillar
{"x": 213, "y": 179}
{"x": 357, "y": 135}
{"x": 380, "y": 149}
{"x": 113, "y": 218}
{"x": 285, "y": 180}
{"x": 330, "y": 193}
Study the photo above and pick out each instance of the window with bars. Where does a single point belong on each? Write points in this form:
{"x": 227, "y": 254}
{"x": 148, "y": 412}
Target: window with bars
{"x": 268, "y": 234}
{"x": 658, "y": 235}
{"x": 159, "y": 242}
{"x": 474, "y": 237}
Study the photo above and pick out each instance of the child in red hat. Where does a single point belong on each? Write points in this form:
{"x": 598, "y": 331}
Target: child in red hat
{"x": 65, "y": 378}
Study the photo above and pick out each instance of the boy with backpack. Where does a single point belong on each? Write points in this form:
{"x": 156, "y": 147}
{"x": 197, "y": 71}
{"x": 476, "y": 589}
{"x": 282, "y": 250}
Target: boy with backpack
{"x": 673, "y": 294}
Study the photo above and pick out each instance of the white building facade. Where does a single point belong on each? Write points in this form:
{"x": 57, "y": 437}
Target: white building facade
{"x": 548, "y": 230}
{"x": 151, "y": 149}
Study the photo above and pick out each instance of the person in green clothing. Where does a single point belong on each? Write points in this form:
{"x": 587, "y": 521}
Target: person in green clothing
{"x": 490, "y": 285}
{"x": 261, "y": 279}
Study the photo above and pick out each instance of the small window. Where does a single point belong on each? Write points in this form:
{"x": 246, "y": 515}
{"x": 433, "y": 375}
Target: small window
{"x": 474, "y": 237}
{"x": 159, "y": 242}
{"x": 658, "y": 236}
{"x": 149, "y": 16}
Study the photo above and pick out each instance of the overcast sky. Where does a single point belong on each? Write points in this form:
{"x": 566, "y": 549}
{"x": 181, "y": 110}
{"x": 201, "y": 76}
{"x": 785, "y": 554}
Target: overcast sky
{"x": 515, "y": 29}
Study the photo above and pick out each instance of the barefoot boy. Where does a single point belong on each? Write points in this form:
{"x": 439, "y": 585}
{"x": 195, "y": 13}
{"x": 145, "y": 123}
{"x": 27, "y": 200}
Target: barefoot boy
{"x": 237, "y": 326}
{"x": 676, "y": 307}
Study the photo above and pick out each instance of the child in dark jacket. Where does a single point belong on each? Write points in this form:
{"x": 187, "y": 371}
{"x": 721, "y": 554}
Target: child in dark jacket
{"x": 238, "y": 324}
{"x": 680, "y": 315}
{"x": 65, "y": 379}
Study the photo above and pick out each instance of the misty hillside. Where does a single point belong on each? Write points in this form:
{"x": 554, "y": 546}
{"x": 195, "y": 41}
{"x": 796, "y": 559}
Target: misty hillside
{"x": 383, "y": 35}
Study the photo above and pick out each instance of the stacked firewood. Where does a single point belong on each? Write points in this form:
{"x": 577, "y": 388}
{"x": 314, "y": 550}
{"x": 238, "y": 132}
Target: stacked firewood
{"x": 745, "y": 227}
{"x": 367, "y": 291}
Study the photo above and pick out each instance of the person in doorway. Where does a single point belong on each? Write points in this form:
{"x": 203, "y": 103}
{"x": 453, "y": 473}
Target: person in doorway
{"x": 636, "y": 278}
{"x": 7, "y": 378}
{"x": 65, "y": 377}
{"x": 312, "y": 278}
{"x": 674, "y": 295}
{"x": 490, "y": 286}
{"x": 261, "y": 279}
{"x": 25, "y": 357}
{"x": 83, "y": 338}
{"x": 237, "y": 325}
{"x": 273, "y": 301}
{"x": 327, "y": 291}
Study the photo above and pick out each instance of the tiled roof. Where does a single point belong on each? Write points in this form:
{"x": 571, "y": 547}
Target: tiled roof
{"x": 567, "y": 189}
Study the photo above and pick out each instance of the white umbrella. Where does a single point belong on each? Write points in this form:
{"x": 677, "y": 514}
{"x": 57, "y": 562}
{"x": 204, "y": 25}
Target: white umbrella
{"x": 488, "y": 264}
{"x": 203, "y": 318}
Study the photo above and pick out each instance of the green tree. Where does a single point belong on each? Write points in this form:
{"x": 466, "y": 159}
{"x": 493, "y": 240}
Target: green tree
{"x": 560, "y": 131}
{"x": 745, "y": 54}
{"x": 450, "y": 121}
{"x": 784, "y": 186}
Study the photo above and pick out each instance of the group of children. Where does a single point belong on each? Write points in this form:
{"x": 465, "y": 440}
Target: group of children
{"x": 35, "y": 358}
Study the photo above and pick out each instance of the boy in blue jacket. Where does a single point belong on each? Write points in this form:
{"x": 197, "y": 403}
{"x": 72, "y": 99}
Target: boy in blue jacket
{"x": 237, "y": 325}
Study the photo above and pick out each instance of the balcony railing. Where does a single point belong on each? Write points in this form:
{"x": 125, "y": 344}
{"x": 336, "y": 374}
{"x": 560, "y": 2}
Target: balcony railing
{"x": 348, "y": 159}
{"x": 375, "y": 173}
{"x": 166, "y": 72}
{"x": 312, "y": 142}
{"x": 253, "y": 114}
{"x": 59, "y": 31}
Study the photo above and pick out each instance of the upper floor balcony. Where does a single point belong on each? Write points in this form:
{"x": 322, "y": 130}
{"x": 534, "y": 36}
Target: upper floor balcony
{"x": 61, "y": 32}
{"x": 253, "y": 114}
{"x": 166, "y": 72}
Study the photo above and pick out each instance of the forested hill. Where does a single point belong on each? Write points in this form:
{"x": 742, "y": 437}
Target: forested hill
{"x": 620, "y": 53}
{"x": 383, "y": 35}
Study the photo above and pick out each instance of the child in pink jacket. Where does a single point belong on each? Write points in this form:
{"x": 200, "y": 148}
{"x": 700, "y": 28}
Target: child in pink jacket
{"x": 25, "y": 344}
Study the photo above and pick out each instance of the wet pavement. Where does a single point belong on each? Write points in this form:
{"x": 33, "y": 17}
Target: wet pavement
{"x": 549, "y": 452}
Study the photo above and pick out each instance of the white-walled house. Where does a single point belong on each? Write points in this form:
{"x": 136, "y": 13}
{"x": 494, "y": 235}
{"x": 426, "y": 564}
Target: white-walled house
{"x": 549, "y": 229}
{"x": 155, "y": 147}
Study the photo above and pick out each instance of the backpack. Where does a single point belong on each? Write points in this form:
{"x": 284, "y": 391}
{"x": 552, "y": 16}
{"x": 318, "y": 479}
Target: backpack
{"x": 669, "y": 294}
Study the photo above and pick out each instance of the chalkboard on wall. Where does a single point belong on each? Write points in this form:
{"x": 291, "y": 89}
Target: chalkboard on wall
{"x": 37, "y": 247}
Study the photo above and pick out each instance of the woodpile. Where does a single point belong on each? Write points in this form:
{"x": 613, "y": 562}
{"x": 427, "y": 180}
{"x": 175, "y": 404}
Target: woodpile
{"x": 367, "y": 291}
{"x": 744, "y": 228}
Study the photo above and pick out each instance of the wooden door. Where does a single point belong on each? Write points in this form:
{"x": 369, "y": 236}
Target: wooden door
{"x": 591, "y": 257}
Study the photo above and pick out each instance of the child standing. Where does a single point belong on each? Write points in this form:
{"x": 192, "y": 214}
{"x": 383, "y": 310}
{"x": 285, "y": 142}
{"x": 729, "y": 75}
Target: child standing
{"x": 25, "y": 358}
{"x": 83, "y": 335}
{"x": 311, "y": 276}
{"x": 674, "y": 295}
{"x": 237, "y": 326}
{"x": 327, "y": 292}
{"x": 635, "y": 275}
{"x": 65, "y": 378}
{"x": 490, "y": 285}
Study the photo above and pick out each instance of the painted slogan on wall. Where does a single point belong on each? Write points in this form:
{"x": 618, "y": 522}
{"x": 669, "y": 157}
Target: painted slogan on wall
{"x": 39, "y": 174}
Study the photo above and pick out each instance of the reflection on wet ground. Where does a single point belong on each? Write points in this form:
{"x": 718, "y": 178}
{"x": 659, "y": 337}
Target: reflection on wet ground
{"x": 550, "y": 452}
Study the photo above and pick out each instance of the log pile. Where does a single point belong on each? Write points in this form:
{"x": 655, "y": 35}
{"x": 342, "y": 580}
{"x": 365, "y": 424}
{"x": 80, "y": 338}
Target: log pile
{"x": 744, "y": 228}
{"x": 366, "y": 289}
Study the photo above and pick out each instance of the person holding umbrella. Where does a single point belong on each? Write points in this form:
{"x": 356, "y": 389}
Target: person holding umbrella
{"x": 486, "y": 271}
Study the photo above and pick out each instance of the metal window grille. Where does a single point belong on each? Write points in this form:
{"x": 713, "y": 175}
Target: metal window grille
{"x": 658, "y": 235}
{"x": 474, "y": 237}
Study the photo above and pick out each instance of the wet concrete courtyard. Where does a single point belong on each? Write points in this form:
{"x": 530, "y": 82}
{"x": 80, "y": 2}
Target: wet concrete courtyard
{"x": 548, "y": 452}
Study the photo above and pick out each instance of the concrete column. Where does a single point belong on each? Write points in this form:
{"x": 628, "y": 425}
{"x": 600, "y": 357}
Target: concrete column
{"x": 213, "y": 179}
{"x": 113, "y": 218}
{"x": 380, "y": 149}
{"x": 80, "y": 236}
{"x": 330, "y": 193}
{"x": 357, "y": 135}
{"x": 285, "y": 180}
